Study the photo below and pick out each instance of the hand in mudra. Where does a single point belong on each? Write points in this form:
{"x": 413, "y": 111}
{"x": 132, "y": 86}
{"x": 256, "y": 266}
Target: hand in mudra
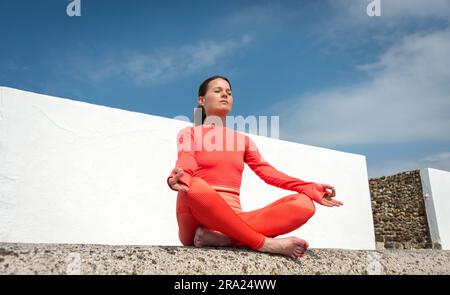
{"x": 175, "y": 184}
{"x": 327, "y": 199}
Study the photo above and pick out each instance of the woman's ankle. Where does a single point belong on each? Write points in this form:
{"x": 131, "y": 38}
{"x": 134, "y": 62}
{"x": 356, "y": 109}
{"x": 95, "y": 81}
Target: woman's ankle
{"x": 267, "y": 245}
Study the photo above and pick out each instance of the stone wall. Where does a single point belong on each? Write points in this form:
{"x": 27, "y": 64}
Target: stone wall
{"x": 399, "y": 211}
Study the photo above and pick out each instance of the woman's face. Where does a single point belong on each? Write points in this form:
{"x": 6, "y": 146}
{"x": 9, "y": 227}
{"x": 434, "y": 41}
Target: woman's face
{"x": 218, "y": 99}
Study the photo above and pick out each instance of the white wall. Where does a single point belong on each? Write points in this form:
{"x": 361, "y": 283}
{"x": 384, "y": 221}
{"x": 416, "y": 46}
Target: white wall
{"x": 72, "y": 172}
{"x": 436, "y": 190}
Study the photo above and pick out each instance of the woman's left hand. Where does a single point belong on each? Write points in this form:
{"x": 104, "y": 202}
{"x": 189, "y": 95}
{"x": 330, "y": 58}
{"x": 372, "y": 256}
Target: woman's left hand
{"x": 327, "y": 199}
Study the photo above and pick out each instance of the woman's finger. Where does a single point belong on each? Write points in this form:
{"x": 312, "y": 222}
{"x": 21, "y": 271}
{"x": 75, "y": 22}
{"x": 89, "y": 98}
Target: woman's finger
{"x": 339, "y": 203}
{"x": 330, "y": 187}
{"x": 326, "y": 185}
{"x": 178, "y": 175}
{"x": 332, "y": 202}
{"x": 180, "y": 187}
{"x": 172, "y": 180}
{"x": 178, "y": 170}
{"x": 176, "y": 186}
{"x": 325, "y": 188}
{"x": 336, "y": 203}
{"x": 327, "y": 203}
{"x": 333, "y": 191}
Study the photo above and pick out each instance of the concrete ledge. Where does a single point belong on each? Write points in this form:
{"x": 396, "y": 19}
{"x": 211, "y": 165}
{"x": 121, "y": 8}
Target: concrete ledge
{"x": 105, "y": 259}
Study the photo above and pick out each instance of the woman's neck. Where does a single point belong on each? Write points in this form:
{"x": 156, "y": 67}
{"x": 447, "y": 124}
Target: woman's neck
{"x": 216, "y": 120}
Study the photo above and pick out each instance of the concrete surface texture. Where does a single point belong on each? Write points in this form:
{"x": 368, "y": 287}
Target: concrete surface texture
{"x": 75, "y": 259}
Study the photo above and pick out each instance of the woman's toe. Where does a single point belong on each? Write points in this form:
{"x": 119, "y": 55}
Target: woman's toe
{"x": 300, "y": 249}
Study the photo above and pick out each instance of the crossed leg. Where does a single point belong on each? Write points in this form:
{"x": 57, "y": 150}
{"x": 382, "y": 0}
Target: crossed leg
{"x": 203, "y": 207}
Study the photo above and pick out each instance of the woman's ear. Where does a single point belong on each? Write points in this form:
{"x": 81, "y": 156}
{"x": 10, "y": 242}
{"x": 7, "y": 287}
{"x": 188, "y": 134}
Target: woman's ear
{"x": 201, "y": 100}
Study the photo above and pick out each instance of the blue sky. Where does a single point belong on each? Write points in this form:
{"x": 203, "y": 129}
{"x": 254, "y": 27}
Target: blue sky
{"x": 377, "y": 86}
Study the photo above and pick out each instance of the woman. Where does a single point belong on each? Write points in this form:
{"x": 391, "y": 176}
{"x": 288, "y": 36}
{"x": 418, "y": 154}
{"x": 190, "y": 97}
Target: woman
{"x": 208, "y": 184}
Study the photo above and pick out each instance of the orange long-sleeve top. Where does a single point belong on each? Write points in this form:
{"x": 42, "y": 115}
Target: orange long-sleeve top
{"x": 217, "y": 154}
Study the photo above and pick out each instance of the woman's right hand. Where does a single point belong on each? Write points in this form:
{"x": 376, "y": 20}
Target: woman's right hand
{"x": 175, "y": 184}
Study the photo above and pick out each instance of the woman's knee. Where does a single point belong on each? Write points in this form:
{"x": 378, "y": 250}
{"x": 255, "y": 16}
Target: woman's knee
{"x": 196, "y": 185}
{"x": 201, "y": 193}
{"x": 305, "y": 206}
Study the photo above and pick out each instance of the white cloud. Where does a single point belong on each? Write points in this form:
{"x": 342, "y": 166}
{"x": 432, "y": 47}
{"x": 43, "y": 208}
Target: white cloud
{"x": 159, "y": 66}
{"x": 438, "y": 161}
{"x": 398, "y": 17}
{"x": 406, "y": 99}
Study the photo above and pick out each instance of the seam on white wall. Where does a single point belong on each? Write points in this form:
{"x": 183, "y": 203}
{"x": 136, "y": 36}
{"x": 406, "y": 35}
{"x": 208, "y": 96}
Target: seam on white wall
{"x": 429, "y": 205}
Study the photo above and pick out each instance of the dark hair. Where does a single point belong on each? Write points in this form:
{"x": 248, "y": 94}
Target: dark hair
{"x": 201, "y": 92}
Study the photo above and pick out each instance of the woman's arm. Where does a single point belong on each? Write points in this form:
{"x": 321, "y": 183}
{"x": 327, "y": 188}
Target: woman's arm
{"x": 272, "y": 176}
{"x": 186, "y": 160}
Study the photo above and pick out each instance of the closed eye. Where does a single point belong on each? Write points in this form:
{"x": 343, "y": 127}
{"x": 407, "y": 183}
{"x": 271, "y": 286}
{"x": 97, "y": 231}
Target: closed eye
{"x": 219, "y": 89}
{"x": 229, "y": 93}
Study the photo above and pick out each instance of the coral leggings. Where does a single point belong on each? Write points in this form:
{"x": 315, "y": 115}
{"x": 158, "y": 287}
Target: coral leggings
{"x": 204, "y": 206}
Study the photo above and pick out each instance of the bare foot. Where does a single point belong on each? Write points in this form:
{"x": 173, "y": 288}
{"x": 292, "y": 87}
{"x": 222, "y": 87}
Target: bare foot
{"x": 205, "y": 237}
{"x": 291, "y": 246}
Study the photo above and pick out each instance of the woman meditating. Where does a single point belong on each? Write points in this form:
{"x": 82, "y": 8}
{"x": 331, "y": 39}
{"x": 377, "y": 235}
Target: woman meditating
{"x": 208, "y": 174}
